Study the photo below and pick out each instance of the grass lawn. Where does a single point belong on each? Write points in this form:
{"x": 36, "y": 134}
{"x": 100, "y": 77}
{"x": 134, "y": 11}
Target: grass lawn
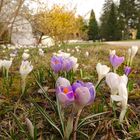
{"x": 105, "y": 126}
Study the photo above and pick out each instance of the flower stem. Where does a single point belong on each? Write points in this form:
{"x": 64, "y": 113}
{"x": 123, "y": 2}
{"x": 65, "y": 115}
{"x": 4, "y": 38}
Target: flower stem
{"x": 76, "y": 123}
{"x": 23, "y": 85}
{"x": 7, "y": 71}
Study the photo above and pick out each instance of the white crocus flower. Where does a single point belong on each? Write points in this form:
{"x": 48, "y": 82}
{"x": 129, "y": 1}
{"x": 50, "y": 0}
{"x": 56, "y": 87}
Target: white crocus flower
{"x": 24, "y": 70}
{"x": 25, "y": 56}
{"x": 131, "y": 54}
{"x": 12, "y": 55}
{"x": 7, "y": 64}
{"x": 112, "y": 80}
{"x": 102, "y": 70}
{"x": 112, "y": 52}
{"x": 122, "y": 98}
{"x": 86, "y": 54}
{"x": 74, "y": 61}
{"x": 134, "y": 50}
{"x": 26, "y": 50}
{"x": 41, "y": 52}
{"x": 124, "y": 79}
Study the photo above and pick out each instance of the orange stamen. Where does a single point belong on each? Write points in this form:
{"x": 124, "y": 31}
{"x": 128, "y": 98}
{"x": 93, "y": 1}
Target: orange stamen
{"x": 65, "y": 90}
{"x": 56, "y": 62}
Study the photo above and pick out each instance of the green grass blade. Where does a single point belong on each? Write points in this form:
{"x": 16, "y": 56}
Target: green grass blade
{"x": 46, "y": 116}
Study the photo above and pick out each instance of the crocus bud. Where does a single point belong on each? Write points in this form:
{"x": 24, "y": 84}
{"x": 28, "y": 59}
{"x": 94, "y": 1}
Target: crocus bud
{"x": 127, "y": 70}
{"x": 30, "y": 127}
{"x": 102, "y": 70}
{"x": 84, "y": 94}
{"x": 134, "y": 50}
{"x": 131, "y": 54}
{"x": 64, "y": 92}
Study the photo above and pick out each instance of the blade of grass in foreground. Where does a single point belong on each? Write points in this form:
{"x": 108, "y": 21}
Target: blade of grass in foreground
{"x": 46, "y": 116}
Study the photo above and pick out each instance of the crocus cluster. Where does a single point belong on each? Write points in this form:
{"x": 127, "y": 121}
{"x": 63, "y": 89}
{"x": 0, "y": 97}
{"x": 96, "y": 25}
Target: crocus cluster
{"x": 63, "y": 62}
{"x": 79, "y": 93}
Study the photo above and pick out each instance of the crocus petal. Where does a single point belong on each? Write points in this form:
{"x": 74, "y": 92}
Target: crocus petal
{"x": 134, "y": 50}
{"x": 127, "y": 70}
{"x": 25, "y": 68}
{"x": 56, "y": 64}
{"x": 112, "y": 80}
{"x": 124, "y": 79}
{"x": 62, "y": 82}
{"x": 102, "y": 70}
{"x": 77, "y": 84}
{"x": 82, "y": 96}
{"x": 116, "y": 61}
{"x": 65, "y": 98}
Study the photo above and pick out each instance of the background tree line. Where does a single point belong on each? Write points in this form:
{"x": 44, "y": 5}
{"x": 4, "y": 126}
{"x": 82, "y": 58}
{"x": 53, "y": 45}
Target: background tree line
{"x": 118, "y": 21}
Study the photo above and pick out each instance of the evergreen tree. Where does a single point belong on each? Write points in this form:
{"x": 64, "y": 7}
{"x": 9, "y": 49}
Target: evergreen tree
{"x": 93, "y": 30}
{"x": 104, "y": 18}
{"x": 112, "y": 25}
{"x": 138, "y": 26}
{"x": 128, "y": 15}
{"x": 109, "y": 22}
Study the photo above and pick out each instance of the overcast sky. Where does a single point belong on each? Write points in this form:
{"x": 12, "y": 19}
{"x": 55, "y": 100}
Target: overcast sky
{"x": 83, "y": 6}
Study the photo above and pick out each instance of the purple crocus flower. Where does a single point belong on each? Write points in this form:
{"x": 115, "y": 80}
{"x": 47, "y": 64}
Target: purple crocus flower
{"x": 67, "y": 64}
{"x": 76, "y": 85}
{"x": 127, "y": 70}
{"x": 56, "y": 63}
{"x": 64, "y": 91}
{"x": 116, "y": 61}
{"x": 84, "y": 93}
